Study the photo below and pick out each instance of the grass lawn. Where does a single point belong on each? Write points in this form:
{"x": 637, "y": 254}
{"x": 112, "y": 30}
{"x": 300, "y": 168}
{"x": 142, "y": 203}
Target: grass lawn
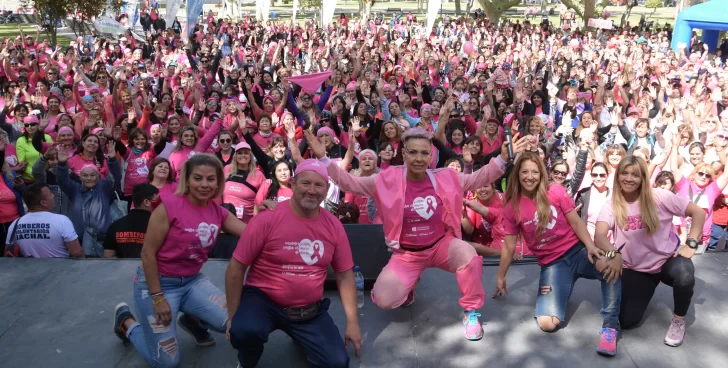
{"x": 11, "y": 30}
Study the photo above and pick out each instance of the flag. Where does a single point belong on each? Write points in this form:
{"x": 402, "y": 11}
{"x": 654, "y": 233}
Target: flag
{"x": 295, "y": 10}
{"x": 433, "y": 7}
{"x": 172, "y": 10}
{"x": 133, "y": 5}
{"x": 328, "y": 12}
{"x": 310, "y": 82}
{"x": 194, "y": 7}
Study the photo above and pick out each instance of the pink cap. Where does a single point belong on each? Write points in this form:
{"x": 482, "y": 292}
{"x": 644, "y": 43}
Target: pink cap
{"x": 351, "y": 85}
{"x": 326, "y": 130}
{"x": 31, "y": 119}
{"x": 313, "y": 165}
{"x": 65, "y": 129}
{"x": 242, "y": 145}
{"x": 89, "y": 166}
{"x": 97, "y": 130}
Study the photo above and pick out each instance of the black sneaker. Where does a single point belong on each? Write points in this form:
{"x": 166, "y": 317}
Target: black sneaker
{"x": 202, "y": 336}
{"x": 121, "y": 314}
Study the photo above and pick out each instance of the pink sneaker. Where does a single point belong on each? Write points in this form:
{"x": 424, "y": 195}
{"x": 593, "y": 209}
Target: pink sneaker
{"x": 676, "y": 332}
{"x": 473, "y": 327}
{"x": 608, "y": 343}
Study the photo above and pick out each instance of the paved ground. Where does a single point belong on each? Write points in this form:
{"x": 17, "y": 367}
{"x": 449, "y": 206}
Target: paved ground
{"x": 58, "y": 313}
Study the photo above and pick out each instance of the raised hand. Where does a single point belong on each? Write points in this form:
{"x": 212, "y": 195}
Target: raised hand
{"x": 63, "y": 155}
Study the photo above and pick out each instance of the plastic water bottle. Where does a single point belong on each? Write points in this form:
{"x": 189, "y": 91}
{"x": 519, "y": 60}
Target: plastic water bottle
{"x": 359, "y": 280}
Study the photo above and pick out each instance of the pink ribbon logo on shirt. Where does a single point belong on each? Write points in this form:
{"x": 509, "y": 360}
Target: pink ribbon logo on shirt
{"x": 311, "y": 251}
{"x": 425, "y": 207}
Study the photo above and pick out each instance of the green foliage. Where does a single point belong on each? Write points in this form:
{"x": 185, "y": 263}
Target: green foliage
{"x": 653, "y": 4}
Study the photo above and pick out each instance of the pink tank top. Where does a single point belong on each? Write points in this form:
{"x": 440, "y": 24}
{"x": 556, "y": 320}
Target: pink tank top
{"x": 193, "y": 231}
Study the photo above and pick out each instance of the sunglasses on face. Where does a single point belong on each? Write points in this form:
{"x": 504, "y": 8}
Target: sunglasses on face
{"x": 559, "y": 173}
{"x": 226, "y": 140}
{"x": 722, "y": 136}
{"x": 704, "y": 174}
{"x": 599, "y": 175}
{"x": 306, "y": 99}
{"x": 30, "y": 125}
{"x": 473, "y": 92}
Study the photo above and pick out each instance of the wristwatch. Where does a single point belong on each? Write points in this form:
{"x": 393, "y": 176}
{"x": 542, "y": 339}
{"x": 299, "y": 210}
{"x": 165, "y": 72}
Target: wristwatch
{"x": 691, "y": 243}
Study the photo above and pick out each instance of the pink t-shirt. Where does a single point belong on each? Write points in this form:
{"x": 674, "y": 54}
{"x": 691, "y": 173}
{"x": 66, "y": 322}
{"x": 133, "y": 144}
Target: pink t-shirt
{"x": 290, "y": 266}
{"x": 558, "y": 236}
{"x": 11, "y": 156}
{"x": 422, "y": 223}
{"x": 645, "y": 252}
{"x": 240, "y": 195}
{"x": 77, "y": 162}
{"x": 703, "y": 197}
{"x": 137, "y": 168}
{"x": 361, "y": 203}
{"x": 192, "y": 232}
{"x": 596, "y": 202}
{"x": 284, "y": 194}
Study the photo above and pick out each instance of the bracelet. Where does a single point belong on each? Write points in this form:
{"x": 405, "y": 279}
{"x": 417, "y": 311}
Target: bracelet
{"x": 157, "y": 294}
{"x": 155, "y": 302}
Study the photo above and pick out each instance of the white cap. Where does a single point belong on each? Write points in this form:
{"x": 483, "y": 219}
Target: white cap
{"x": 123, "y": 39}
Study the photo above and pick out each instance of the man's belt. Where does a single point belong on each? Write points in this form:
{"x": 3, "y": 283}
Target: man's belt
{"x": 305, "y": 313}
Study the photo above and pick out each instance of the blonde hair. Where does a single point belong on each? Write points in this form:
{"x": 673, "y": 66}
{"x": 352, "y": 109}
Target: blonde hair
{"x": 704, "y": 167}
{"x": 251, "y": 166}
{"x": 200, "y": 159}
{"x": 648, "y": 207}
{"x": 513, "y": 190}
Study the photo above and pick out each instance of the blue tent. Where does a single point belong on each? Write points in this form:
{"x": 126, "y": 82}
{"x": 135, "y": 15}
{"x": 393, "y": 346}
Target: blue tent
{"x": 711, "y": 17}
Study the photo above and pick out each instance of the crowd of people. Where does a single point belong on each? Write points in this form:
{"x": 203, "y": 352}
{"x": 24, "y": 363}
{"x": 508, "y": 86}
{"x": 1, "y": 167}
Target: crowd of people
{"x": 601, "y": 153}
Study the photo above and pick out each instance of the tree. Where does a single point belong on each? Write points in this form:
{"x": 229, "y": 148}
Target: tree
{"x": 654, "y": 5}
{"x": 625, "y": 16}
{"x": 457, "y": 8}
{"x": 495, "y": 8}
{"x": 586, "y": 9}
{"x": 54, "y": 12}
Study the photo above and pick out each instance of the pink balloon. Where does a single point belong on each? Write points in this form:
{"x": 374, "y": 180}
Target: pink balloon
{"x": 468, "y": 47}
{"x": 574, "y": 43}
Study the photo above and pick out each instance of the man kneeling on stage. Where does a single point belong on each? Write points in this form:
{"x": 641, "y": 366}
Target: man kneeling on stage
{"x": 288, "y": 251}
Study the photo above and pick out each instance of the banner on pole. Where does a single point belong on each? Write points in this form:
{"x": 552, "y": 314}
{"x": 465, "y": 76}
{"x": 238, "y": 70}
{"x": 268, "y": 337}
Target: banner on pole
{"x": 265, "y": 9}
{"x": 600, "y": 23}
{"x": 194, "y": 7}
{"x": 108, "y": 25}
{"x": 433, "y": 7}
{"x": 172, "y": 10}
{"x": 328, "y": 13}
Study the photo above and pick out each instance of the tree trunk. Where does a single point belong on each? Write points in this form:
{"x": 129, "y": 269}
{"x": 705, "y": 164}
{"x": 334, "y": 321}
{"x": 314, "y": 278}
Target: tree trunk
{"x": 470, "y": 6}
{"x": 367, "y": 8}
{"x": 627, "y": 13}
{"x": 589, "y": 8}
{"x": 457, "y": 7}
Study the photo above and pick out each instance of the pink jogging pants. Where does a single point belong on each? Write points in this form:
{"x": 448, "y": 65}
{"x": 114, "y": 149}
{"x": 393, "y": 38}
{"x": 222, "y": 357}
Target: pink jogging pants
{"x": 399, "y": 276}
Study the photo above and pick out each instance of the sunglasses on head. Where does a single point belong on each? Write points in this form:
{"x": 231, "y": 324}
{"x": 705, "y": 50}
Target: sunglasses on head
{"x": 703, "y": 174}
{"x": 599, "y": 175}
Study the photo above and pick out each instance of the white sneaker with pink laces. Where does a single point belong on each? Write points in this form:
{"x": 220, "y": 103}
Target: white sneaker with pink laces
{"x": 676, "y": 332}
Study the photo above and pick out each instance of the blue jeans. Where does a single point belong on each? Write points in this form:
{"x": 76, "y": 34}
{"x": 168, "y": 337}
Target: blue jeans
{"x": 716, "y": 232}
{"x": 194, "y": 295}
{"x": 257, "y": 316}
{"x": 557, "y": 281}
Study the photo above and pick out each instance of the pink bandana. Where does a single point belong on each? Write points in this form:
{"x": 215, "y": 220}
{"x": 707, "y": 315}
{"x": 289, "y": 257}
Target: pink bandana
{"x": 310, "y": 82}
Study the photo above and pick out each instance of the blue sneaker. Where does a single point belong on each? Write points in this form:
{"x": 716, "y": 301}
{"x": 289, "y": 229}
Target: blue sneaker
{"x": 121, "y": 314}
{"x": 473, "y": 327}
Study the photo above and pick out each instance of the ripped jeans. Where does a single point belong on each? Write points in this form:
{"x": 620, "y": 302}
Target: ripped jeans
{"x": 557, "y": 282}
{"x": 194, "y": 295}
